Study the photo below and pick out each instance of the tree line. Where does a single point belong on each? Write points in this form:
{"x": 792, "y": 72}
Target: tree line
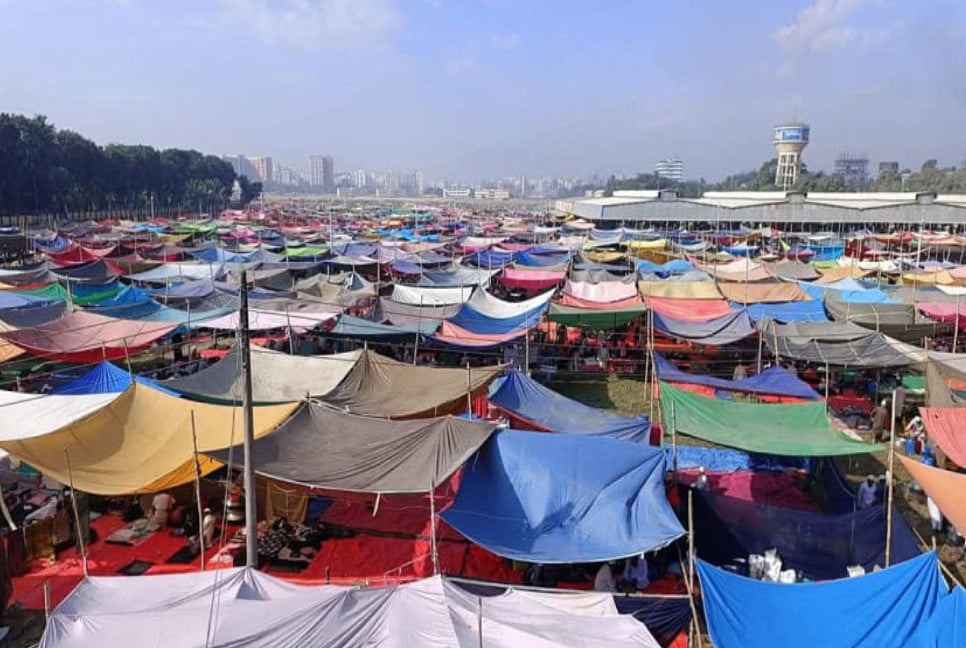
{"x": 929, "y": 178}
{"x": 44, "y": 170}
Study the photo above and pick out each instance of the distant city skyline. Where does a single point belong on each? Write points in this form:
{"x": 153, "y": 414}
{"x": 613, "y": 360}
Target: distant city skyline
{"x": 489, "y": 88}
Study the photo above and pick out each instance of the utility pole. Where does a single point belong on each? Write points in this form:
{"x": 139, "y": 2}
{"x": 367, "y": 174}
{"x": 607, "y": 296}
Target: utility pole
{"x": 251, "y": 532}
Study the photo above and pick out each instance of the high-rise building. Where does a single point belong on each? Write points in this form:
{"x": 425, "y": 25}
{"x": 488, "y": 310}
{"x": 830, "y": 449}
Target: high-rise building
{"x": 360, "y": 178}
{"x": 670, "y": 168}
{"x": 328, "y": 172}
{"x": 790, "y": 140}
{"x": 890, "y": 167}
{"x": 418, "y": 183}
{"x": 264, "y": 168}
{"x": 852, "y": 169}
{"x": 242, "y": 166}
{"x": 315, "y": 170}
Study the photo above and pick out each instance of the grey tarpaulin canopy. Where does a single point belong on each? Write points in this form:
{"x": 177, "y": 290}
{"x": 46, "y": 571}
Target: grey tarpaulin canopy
{"x": 838, "y": 344}
{"x": 322, "y": 447}
{"x": 276, "y": 377}
{"x": 383, "y": 387}
{"x": 388, "y": 311}
{"x": 794, "y": 271}
{"x": 344, "y": 290}
{"x": 900, "y": 321}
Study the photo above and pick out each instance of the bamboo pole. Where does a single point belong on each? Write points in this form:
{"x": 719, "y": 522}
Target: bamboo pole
{"x": 892, "y": 457}
{"x": 47, "y": 600}
{"x": 761, "y": 343}
{"x": 690, "y": 578}
{"x": 469, "y": 392}
{"x": 432, "y": 528}
{"x": 77, "y": 525}
{"x": 201, "y": 512}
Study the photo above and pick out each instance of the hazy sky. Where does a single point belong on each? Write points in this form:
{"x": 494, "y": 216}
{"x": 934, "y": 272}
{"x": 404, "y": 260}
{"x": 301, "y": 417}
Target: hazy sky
{"x": 483, "y": 88}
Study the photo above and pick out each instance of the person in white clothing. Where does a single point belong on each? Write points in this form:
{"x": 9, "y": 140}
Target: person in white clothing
{"x": 867, "y": 492}
{"x": 161, "y": 507}
{"x": 701, "y": 483}
{"x": 604, "y": 580}
{"x": 208, "y": 527}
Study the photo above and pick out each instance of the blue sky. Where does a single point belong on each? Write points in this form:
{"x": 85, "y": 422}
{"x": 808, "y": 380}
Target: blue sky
{"x": 482, "y": 88}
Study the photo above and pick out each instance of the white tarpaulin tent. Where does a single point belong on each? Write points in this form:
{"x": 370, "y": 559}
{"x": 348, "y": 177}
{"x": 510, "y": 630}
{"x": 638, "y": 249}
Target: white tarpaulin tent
{"x": 419, "y": 296}
{"x": 496, "y": 308}
{"x": 241, "y": 607}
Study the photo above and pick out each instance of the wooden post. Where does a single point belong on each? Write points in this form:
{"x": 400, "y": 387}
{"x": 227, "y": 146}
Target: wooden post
{"x": 674, "y": 443}
{"x": 77, "y": 525}
{"x": 892, "y": 457}
{"x": 419, "y": 326}
{"x": 248, "y": 474}
{"x": 201, "y": 512}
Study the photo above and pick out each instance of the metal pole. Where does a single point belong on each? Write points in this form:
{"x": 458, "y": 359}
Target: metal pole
{"x": 251, "y": 531}
{"x": 201, "y": 512}
{"x": 77, "y": 525}
{"x": 892, "y": 457}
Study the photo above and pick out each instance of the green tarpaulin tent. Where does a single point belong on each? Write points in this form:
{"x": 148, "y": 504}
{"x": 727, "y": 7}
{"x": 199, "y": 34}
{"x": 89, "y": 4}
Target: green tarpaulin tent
{"x": 796, "y": 430}
{"x": 594, "y": 319}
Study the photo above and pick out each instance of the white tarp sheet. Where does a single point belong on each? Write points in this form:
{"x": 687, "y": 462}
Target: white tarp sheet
{"x": 241, "y": 607}
{"x": 33, "y": 415}
{"x": 496, "y": 308}
{"x": 419, "y": 296}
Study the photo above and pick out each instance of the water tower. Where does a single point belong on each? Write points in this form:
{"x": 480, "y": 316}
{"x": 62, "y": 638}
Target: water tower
{"x": 790, "y": 140}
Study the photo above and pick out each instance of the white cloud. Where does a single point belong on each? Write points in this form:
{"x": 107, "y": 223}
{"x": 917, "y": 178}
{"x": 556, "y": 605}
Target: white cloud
{"x": 316, "y": 24}
{"x": 823, "y": 27}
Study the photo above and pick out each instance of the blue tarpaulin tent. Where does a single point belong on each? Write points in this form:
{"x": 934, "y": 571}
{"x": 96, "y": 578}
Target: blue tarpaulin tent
{"x": 489, "y": 259}
{"x": 801, "y": 311}
{"x": 947, "y": 625}
{"x": 105, "y": 378}
{"x": 871, "y": 611}
{"x": 775, "y": 381}
{"x": 548, "y": 498}
{"x": 473, "y": 320}
{"x": 534, "y": 260}
{"x": 529, "y": 400}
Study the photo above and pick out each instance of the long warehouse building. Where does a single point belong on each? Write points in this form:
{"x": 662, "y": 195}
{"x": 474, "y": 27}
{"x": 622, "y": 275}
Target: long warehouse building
{"x": 772, "y": 207}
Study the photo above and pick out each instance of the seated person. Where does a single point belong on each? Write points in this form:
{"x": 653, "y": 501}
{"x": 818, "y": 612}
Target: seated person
{"x": 161, "y": 507}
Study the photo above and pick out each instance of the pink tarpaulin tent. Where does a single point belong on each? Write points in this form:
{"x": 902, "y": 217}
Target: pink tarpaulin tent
{"x": 87, "y": 338}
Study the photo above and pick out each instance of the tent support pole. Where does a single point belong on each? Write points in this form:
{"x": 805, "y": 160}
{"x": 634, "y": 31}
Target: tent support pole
{"x": 828, "y": 380}
{"x": 892, "y": 458}
{"x": 469, "y": 393}
{"x": 479, "y": 619}
{"x": 251, "y": 521}
{"x": 419, "y": 326}
{"x": 689, "y": 581}
{"x": 201, "y": 512}
{"x": 526, "y": 346}
{"x": 956, "y": 325}
{"x": 47, "y": 600}
{"x": 761, "y": 343}
{"x": 674, "y": 444}
{"x": 77, "y": 524}
{"x": 432, "y": 528}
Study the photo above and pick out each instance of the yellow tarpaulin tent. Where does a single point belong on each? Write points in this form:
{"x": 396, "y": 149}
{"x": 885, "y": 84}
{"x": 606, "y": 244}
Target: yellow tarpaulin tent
{"x": 140, "y": 442}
